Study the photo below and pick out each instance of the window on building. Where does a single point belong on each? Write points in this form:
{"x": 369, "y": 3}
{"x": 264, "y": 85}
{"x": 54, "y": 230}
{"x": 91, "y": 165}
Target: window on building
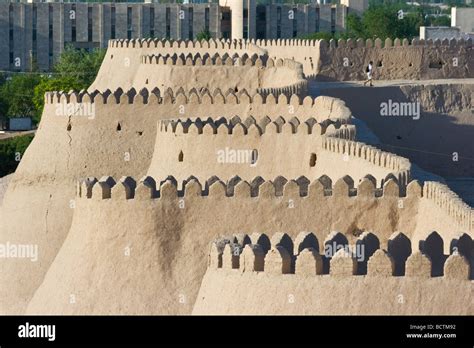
{"x": 50, "y": 35}
{"x": 34, "y": 50}
{"x": 190, "y": 23}
{"x": 10, "y": 21}
{"x": 129, "y": 23}
{"x": 278, "y": 22}
{"x": 152, "y": 22}
{"x": 316, "y": 23}
{"x": 73, "y": 23}
{"x": 261, "y": 22}
{"x": 226, "y": 24}
{"x": 89, "y": 24}
{"x": 206, "y": 19}
{"x": 295, "y": 23}
{"x": 168, "y": 23}
{"x": 333, "y": 20}
{"x": 112, "y": 22}
{"x": 246, "y": 23}
{"x": 226, "y": 16}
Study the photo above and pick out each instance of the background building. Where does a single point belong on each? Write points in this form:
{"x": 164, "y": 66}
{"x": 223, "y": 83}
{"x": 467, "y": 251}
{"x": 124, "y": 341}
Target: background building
{"x": 34, "y": 34}
{"x": 462, "y": 26}
{"x": 463, "y": 18}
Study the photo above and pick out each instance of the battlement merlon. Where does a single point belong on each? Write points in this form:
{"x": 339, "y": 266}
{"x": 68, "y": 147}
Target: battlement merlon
{"x": 461, "y": 214}
{"x": 207, "y": 59}
{"x": 388, "y": 43}
{"x": 333, "y": 107}
{"x": 262, "y": 43}
{"x": 225, "y": 59}
{"x": 249, "y": 126}
{"x": 211, "y": 44}
{"x": 365, "y": 152}
{"x": 259, "y": 187}
{"x": 280, "y": 254}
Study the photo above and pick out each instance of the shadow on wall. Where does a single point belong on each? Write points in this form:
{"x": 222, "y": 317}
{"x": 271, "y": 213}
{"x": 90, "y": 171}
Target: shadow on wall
{"x": 432, "y": 246}
{"x": 464, "y": 245}
{"x": 433, "y": 141}
{"x": 399, "y": 248}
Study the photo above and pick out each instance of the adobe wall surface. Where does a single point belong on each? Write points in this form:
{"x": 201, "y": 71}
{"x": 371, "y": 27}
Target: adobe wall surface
{"x": 43, "y": 186}
{"x": 42, "y": 189}
{"x": 324, "y": 295}
{"x": 445, "y": 125}
{"x": 269, "y": 150}
{"x": 346, "y": 61}
{"x": 306, "y": 52}
{"x": 170, "y": 244}
{"x": 126, "y": 56}
{"x": 399, "y": 277}
{"x": 397, "y": 59}
{"x": 247, "y": 149}
{"x": 131, "y": 242}
{"x": 442, "y": 205}
{"x": 226, "y": 73}
{"x": 342, "y": 155}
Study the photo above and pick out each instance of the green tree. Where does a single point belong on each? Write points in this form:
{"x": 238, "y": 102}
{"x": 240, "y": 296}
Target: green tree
{"x": 17, "y": 95}
{"x": 355, "y": 27}
{"x": 3, "y": 103}
{"x": 441, "y": 21}
{"x": 80, "y": 65}
{"x": 409, "y": 26}
{"x": 380, "y": 21}
{"x": 75, "y": 70}
{"x": 65, "y": 83}
{"x": 11, "y": 150}
{"x": 203, "y": 35}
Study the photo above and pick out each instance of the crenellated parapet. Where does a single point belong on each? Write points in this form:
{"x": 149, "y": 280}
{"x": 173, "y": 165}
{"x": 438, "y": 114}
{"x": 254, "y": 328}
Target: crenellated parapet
{"x": 450, "y": 202}
{"x": 129, "y": 188}
{"x": 280, "y": 254}
{"x": 299, "y": 88}
{"x": 281, "y": 189}
{"x": 250, "y": 126}
{"x": 293, "y": 43}
{"x": 353, "y": 149}
{"x": 179, "y": 95}
{"x": 264, "y": 157}
{"x": 209, "y": 60}
{"x": 326, "y": 107}
{"x": 395, "y": 43}
{"x": 261, "y": 65}
{"x": 335, "y": 59}
{"x": 211, "y": 43}
{"x": 154, "y": 96}
{"x": 164, "y": 43}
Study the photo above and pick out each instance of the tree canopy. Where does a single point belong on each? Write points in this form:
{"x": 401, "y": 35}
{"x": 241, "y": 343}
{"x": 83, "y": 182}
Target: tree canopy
{"x": 203, "y": 35}
{"x": 80, "y": 65}
{"x": 22, "y": 94}
{"x": 391, "y": 20}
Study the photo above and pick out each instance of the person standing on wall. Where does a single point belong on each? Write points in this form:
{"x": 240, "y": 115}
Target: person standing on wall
{"x": 368, "y": 71}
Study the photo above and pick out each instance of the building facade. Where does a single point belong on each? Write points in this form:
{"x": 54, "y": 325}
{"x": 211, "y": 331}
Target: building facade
{"x": 463, "y": 18}
{"x": 34, "y": 34}
{"x": 462, "y": 26}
